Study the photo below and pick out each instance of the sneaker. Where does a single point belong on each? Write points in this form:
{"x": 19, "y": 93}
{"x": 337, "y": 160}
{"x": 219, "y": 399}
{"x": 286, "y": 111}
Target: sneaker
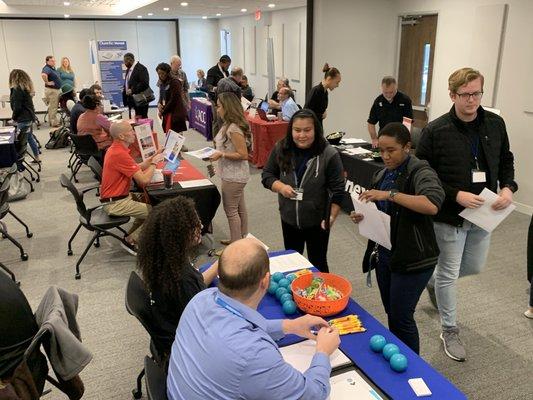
{"x": 225, "y": 242}
{"x": 432, "y": 297}
{"x": 129, "y": 248}
{"x": 528, "y": 313}
{"x": 453, "y": 347}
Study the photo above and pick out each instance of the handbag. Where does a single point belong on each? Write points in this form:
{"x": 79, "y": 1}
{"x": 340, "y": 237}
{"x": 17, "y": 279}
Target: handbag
{"x": 143, "y": 98}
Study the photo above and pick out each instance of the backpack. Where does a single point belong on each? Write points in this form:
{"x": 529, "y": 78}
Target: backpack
{"x": 58, "y": 139}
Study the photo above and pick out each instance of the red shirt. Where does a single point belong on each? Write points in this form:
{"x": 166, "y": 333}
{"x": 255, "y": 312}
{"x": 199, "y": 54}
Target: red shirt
{"x": 119, "y": 167}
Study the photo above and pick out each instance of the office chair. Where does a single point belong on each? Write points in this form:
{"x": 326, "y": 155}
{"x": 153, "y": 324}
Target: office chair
{"x": 138, "y": 305}
{"x": 9, "y": 272}
{"x": 96, "y": 169}
{"x": 4, "y": 210}
{"x": 93, "y": 219}
{"x": 155, "y": 380}
{"x": 21, "y": 145}
{"x": 85, "y": 147}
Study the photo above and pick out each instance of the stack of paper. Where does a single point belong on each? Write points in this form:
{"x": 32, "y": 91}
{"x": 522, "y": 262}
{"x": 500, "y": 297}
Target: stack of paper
{"x": 195, "y": 183}
{"x": 357, "y": 150}
{"x": 350, "y": 386}
{"x": 289, "y": 262}
{"x": 353, "y": 141}
{"x": 375, "y": 224}
{"x": 300, "y": 355}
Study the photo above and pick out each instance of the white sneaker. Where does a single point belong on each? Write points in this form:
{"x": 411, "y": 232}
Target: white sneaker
{"x": 528, "y": 313}
{"x": 129, "y": 248}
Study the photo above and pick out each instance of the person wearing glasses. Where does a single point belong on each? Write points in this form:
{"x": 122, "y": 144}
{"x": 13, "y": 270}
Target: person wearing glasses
{"x": 468, "y": 147}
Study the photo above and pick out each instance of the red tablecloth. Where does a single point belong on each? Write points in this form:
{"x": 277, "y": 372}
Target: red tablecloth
{"x": 185, "y": 172}
{"x": 265, "y": 134}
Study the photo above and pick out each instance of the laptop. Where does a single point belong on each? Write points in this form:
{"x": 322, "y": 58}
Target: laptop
{"x": 266, "y": 117}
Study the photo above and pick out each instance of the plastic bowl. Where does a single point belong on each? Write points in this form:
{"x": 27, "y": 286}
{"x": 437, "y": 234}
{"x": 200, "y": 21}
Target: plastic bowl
{"x": 317, "y": 307}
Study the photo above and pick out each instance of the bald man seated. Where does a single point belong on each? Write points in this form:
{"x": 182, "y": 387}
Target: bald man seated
{"x": 119, "y": 169}
{"x": 225, "y": 349}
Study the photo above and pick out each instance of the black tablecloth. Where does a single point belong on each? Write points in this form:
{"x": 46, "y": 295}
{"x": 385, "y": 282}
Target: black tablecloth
{"x": 8, "y": 155}
{"x": 359, "y": 175}
{"x": 206, "y": 199}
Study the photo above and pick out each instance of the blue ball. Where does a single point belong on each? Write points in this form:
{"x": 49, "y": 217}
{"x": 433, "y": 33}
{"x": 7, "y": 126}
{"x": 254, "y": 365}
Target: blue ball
{"x": 289, "y": 307}
{"x": 377, "y": 342}
{"x": 291, "y": 277}
{"x": 277, "y": 276}
{"x": 389, "y": 350}
{"x": 285, "y": 297}
{"x": 284, "y": 283}
{"x": 273, "y": 287}
{"x": 398, "y": 362}
{"x": 280, "y": 291}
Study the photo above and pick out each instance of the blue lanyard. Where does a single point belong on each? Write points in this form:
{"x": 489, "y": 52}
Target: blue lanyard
{"x": 474, "y": 148}
{"x": 231, "y": 309}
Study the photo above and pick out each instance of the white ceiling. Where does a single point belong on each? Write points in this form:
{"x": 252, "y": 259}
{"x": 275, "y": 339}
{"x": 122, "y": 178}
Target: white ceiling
{"x": 134, "y": 8}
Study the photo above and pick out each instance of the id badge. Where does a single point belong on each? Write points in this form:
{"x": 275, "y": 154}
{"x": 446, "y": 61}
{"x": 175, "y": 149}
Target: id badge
{"x": 479, "y": 176}
{"x": 299, "y": 194}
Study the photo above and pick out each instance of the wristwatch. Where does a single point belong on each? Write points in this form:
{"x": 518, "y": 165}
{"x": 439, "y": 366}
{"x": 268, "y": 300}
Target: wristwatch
{"x": 392, "y": 193}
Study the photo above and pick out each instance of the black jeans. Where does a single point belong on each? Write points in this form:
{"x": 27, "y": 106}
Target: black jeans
{"x": 316, "y": 240}
{"x": 400, "y": 294}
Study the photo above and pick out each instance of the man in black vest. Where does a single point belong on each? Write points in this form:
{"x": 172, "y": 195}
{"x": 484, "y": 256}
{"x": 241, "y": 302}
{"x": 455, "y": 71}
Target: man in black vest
{"x": 137, "y": 80}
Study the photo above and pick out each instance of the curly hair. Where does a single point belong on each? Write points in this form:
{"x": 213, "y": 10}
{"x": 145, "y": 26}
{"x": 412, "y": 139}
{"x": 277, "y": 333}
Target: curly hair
{"x": 166, "y": 243}
{"x": 20, "y": 79}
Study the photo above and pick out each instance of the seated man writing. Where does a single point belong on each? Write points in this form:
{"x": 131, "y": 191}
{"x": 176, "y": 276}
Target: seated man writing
{"x": 225, "y": 349}
{"x": 119, "y": 169}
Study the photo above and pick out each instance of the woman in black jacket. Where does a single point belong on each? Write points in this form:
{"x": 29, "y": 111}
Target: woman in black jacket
{"x": 307, "y": 174}
{"x": 410, "y": 192}
{"x": 23, "y": 111}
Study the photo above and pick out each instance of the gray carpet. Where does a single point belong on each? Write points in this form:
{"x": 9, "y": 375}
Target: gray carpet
{"x": 499, "y": 338}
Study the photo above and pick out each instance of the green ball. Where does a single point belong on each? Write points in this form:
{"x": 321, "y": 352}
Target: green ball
{"x": 280, "y": 292}
{"x": 273, "y": 287}
{"x": 285, "y": 297}
{"x": 277, "y": 276}
{"x": 289, "y": 307}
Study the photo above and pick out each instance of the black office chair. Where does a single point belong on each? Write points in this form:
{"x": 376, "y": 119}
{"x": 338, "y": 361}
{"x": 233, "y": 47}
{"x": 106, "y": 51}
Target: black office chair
{"x": 85, "y": 147}
{"x": 21, "y": 146}
{"x": 96, "y": 169}
{"x": 94, "y": 219}
{"x": 156, "y": 380}
{"x": 4, "y": 210}
{"x": 138, "y": 305}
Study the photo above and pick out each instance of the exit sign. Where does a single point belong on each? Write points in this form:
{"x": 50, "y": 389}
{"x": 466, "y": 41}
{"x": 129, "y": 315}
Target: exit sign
{"x": 258, "y": 15}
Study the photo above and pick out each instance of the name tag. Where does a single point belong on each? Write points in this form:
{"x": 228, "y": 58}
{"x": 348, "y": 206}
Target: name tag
{"x": 299, "y": 194}
{"x": 401, "y": 104}
{"x": 478, "y": 176}
{"x": 380, "y": 104}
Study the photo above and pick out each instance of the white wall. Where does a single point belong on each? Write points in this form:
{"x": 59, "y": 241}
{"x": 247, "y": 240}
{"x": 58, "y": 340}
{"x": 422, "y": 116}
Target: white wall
{"x": 24, "y": 44}
{"x": 360, "y": 37}
{"x": 288, "y": 30}
{"x": 200, "y": 45}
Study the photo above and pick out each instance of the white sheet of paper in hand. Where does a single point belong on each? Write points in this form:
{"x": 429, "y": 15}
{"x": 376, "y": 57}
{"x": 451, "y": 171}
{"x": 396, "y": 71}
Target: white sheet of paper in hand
{"x": 301, "y": 354}
{"x": 173, "y": 145}
{"x": 375, "y": 224}
{"x": 206, "y": 152}
{"x": 485, "y": 216}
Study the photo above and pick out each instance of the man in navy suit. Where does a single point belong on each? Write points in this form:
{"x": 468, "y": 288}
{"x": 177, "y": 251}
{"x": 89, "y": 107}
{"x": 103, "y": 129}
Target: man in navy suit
{"x": 136, "y": 81}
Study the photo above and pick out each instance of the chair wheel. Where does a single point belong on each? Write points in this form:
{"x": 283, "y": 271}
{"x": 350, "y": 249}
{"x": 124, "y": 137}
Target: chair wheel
{"x": 24, "y": 256}
{"x": 96, "y": 244}
{"x": 29, "y": 234}
{"x": 38, "y": 180}
{"x": 77, "y": 276}
{"x": 137, "y": 394}
{"x": 69, "y": 253}
{"x": 32, "y": 190}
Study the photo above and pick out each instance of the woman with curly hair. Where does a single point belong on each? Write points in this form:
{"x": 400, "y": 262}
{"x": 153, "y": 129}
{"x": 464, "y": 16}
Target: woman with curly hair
{"x": 166, "y": 245}
{"x": 231, "y": 142}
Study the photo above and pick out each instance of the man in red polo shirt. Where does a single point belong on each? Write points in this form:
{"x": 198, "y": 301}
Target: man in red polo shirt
{"x": 119, "y": 169}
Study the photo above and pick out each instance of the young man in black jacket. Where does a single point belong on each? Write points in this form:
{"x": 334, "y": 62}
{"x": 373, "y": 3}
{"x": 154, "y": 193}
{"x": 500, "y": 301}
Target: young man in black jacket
{"x": 469, "y": 149}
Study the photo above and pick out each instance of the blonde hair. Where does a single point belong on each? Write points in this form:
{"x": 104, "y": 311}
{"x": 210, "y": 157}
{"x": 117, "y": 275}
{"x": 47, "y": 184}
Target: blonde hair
{"x": 201, "y": 72}
{"x": 20, "y": 79}
{"x": 233, "y": 113}
{"x": 462, "y": 77}
{"x": 69, "y": 68}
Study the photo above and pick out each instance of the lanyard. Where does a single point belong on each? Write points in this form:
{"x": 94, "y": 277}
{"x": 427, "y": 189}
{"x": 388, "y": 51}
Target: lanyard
{"x": 231, "y": 309}
{"x": 474, "y": 149}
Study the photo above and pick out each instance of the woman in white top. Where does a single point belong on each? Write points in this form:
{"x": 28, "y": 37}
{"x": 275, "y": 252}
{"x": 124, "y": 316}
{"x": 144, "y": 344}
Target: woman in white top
{"x": 232, "y": 141}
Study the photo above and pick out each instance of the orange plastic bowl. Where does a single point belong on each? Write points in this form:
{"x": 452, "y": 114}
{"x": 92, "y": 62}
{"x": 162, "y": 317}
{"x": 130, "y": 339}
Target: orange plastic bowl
{"x": 317, "y": 307}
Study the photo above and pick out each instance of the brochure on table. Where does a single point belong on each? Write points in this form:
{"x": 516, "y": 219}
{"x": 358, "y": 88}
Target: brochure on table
{"x": 173, "y": 145}
{"x": 145, "y": 140}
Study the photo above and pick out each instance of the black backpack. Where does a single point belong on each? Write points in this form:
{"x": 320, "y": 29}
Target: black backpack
{"x": 58, "y": 138}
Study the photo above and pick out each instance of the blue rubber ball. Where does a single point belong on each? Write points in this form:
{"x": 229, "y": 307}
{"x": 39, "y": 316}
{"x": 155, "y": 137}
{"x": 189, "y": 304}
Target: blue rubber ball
{"x": 284, "y": 283}
{"x": 398, "y": 362}
{"x": 285, "y": 297}
{"x": 280, "y": 291}
{"x": 377, "y": 342}
{"x": 273, "y": 287}
{"x": 277, "y": 276}
{"x": 389, "y": 350}
{"x": 289, "y": 307}
{"x": 291, "y": 277}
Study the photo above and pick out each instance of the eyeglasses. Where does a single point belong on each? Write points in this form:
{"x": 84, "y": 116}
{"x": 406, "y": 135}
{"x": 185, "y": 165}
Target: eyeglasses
{"x": 467, "y": 96}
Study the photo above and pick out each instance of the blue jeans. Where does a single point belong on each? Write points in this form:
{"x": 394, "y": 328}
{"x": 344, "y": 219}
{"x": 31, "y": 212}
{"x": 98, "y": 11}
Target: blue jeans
{"x": 400, "y": 294}
{"x": 27, "y": 127}
{"x": 463, "y": 251}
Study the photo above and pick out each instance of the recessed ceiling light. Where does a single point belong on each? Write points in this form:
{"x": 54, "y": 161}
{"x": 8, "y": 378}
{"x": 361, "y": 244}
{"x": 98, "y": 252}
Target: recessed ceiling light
{"x": 184, "y": 4}
{"x": 66, "y": 3}
{"x": 243, "y": 10}
{"x": 150, "y": 14}
{"x": 67, "y": 15}
{"x": 271, "y": 5}
{"x": 166, "y": 9}
{"x": 218, "y": 14}
{"x": 204, "y": 17}
{"x": 139, "y": 16}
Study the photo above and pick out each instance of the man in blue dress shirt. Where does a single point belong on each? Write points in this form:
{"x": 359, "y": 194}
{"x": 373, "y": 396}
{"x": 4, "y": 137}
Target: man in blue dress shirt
{"x": 225, "y": 349}
{"x": 288, "y": 105}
